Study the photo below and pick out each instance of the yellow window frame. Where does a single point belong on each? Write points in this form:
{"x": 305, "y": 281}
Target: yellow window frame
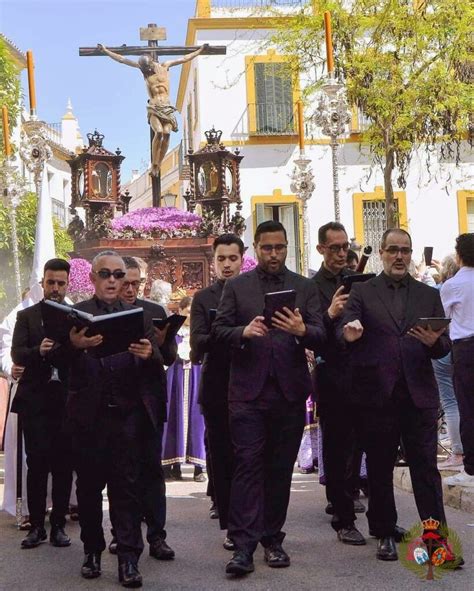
{"x": 463, "y": 196}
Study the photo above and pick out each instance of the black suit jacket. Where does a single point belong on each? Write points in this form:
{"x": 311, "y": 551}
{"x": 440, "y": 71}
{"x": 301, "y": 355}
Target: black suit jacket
{"x": 253, "y": 359}
{"x": 144, "y": 379}
{"x": 169, "y": 348}
{"x": 35, "y": 392}
{"x": 215, "y": 357}
{"x": 385, "y": 353}
{"x": 332, "y": 375}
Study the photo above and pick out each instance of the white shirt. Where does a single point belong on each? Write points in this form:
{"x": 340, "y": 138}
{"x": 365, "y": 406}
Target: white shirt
{"x": 457, "y": 295}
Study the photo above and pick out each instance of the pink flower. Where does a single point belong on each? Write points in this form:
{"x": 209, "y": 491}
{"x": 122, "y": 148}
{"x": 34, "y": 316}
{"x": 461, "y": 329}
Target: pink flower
{"x": 248, "y": 264}
{"x": 80, "y": 286}
{"x": 151, "y": 222}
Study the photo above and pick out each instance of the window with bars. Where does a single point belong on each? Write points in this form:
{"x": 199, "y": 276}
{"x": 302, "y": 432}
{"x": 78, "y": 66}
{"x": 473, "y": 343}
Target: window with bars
{"x": 59, "y": 211}
{"x": 373, "y": 216}
{"x": 288, "y": 215}
{"x": 274, "y": 98}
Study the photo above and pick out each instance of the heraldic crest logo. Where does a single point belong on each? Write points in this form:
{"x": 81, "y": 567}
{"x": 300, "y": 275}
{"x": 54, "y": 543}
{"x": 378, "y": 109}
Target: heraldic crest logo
{"x": 429, "y": 551}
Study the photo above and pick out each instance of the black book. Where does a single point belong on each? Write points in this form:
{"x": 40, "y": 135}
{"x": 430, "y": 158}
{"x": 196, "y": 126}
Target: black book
{"x": 275, "y": 301}
{"x": 174, "y": 321}
{"x": 119, "y": 330}
{"x": 348, "y": 280}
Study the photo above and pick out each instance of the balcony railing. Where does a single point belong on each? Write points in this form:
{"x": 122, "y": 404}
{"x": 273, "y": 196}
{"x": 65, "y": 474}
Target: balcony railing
{"x": 256, "y": 3}
{"x": 272, "y": 118}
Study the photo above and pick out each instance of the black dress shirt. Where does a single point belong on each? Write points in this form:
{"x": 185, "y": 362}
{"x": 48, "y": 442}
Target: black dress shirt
{"x": 398, "y": 296}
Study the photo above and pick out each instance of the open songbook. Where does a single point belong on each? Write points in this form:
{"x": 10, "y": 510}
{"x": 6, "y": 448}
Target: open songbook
{"x": 174, "y": 322}
{"x": 118, "y": 329}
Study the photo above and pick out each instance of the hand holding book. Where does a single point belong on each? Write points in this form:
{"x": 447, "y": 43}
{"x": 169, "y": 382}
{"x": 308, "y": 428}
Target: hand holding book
{"x": 79, "y": 339}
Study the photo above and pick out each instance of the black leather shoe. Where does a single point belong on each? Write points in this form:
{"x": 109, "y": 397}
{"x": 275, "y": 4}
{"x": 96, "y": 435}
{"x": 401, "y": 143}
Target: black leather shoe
{"x": 58, "y": 537}
{"x": 358, "y": 506}
{"x": 276, "y": 557}
{"x": 240, "y": 564}
{"x": 228, "y": 544}
{"x": 386, "y": 549}
{"x": 351, "y": 535}
{"x": 213, "y": 512}
{"x": 34, "y": 538}
{"x": 160, "y": 550}
{"x": 329, "y": 509}
{"x": 398, "y": 533}
{"x": 113, "y": 545}
{"x": 91, "y": 566}
{"x": 128, "y": 575}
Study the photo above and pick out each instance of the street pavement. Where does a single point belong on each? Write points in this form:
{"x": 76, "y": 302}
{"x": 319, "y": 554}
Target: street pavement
{"x": 319, "y": 561}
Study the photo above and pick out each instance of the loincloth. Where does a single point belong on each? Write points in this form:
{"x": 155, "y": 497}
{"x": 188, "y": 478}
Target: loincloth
{"x": 165, "y": 114}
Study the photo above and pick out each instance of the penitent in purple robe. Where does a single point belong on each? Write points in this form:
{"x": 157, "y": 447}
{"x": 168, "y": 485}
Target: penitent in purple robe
{"x": 183, "y": 435}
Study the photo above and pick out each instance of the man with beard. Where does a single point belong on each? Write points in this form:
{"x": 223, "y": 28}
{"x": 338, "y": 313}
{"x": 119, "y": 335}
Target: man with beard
{"x": 394, "y": 391}
{"x": 269, "y": 385}
{"x": 228, "y": 252}
{"x": 39, "y": 402}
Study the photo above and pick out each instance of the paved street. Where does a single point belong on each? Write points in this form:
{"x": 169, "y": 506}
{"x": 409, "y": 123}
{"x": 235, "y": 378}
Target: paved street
{"x": 319, "y": 561}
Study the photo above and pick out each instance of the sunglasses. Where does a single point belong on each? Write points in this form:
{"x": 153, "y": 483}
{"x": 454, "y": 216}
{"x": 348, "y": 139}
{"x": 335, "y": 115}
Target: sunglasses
{"x": 107, "y": 273}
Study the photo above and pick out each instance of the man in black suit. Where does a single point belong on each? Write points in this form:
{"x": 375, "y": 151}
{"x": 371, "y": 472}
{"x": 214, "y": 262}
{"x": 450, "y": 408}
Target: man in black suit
{"x": 228, "y": 252}
{"x": 332, "y": 387}
{"x": 153, "y": 485}
{"x": 393, "y": 385}
{"x": 39, "y": 402}
{"x": 113, "y": 404}
{"x": 269, "y": 384}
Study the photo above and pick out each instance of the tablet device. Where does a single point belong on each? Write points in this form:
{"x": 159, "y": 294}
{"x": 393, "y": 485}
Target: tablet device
{"x": 435, "y": 323}
{"x": 275, "y": 301}
{"x": 348, "y": 280}
{"x": 212, "y": 314}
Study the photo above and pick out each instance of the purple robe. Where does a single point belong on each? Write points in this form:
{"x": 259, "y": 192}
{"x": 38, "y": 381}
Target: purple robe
{"x": 308, "y": 452}
{"x": 183, "y": 435}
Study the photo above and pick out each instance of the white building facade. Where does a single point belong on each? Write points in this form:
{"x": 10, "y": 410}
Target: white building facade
{"x": 244, "y": 94}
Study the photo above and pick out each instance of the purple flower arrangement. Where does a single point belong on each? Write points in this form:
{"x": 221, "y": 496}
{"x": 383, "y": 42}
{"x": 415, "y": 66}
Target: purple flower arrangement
{"x": 248, "y": 263}
{"x": 156, "y": 222}
{"x": 80, "y": 286}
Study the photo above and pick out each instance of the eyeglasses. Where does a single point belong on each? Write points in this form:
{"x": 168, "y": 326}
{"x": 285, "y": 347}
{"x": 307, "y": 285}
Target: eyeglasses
{"x": 335, "y": 248}
{"x": 269, "y": 248}
{"x": 396, "y": 249}
{"x": 107, "y": 273}
{"x": 135, "y": 284}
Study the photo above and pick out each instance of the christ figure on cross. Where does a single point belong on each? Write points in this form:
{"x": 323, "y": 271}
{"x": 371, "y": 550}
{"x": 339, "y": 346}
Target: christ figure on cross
{"x": 161, "y": 114}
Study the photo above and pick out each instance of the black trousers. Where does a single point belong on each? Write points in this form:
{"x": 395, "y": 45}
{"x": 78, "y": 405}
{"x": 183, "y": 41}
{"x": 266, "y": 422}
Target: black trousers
{"x": 47, "y": 451}
{"x": 339, "y": 448}
{"x": 111, "y": 454}
{"x": 152, "y": 485}
{"x": 266, "y": 435}
{"x": 463, "y": 358}
{"x": 220, "y": 462}
{"x": 380, "y": 431}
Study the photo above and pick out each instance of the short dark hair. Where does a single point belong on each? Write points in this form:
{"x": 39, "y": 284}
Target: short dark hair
{"x": 131, "y": 263}
{"x": 229, "y": 239}
{"x": 386, "y": 234}
{"x": 269, "y": 226}
{"x": 185, "y": 302}
{"x": 323, "y": 230}
{"x": 352, "y": 256}
{"x": 57, "y": 265}
{"x": 465, "y": 248}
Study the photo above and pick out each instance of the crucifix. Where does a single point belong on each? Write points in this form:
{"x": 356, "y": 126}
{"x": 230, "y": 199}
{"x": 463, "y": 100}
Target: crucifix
{"x": 161, "y": 114}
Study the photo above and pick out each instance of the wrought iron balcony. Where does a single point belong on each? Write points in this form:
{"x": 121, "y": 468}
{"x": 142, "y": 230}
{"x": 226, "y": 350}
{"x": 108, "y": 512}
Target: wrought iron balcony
{"x": 272, "y": 118}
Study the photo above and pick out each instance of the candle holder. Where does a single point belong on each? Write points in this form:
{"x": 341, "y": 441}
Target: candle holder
{"x": 12, "y": 191}
{"x": 332, "y": 115}
{"x": 302, "y": 184}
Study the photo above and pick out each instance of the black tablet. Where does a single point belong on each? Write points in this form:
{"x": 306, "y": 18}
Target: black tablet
{"x": 434, "y": 323}
{"x": 275, "y": 301}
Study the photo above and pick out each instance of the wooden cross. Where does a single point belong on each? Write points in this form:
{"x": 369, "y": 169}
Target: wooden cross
{"x": 152, "y": 34}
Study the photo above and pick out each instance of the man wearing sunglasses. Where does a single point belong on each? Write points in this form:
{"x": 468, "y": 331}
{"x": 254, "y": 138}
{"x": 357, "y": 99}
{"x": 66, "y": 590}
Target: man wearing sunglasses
{"x": 394, "y": 391}
{"x": 113, "y": 404}
{"x": 332, "y": 387}
{"x": 39, "y": 401}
